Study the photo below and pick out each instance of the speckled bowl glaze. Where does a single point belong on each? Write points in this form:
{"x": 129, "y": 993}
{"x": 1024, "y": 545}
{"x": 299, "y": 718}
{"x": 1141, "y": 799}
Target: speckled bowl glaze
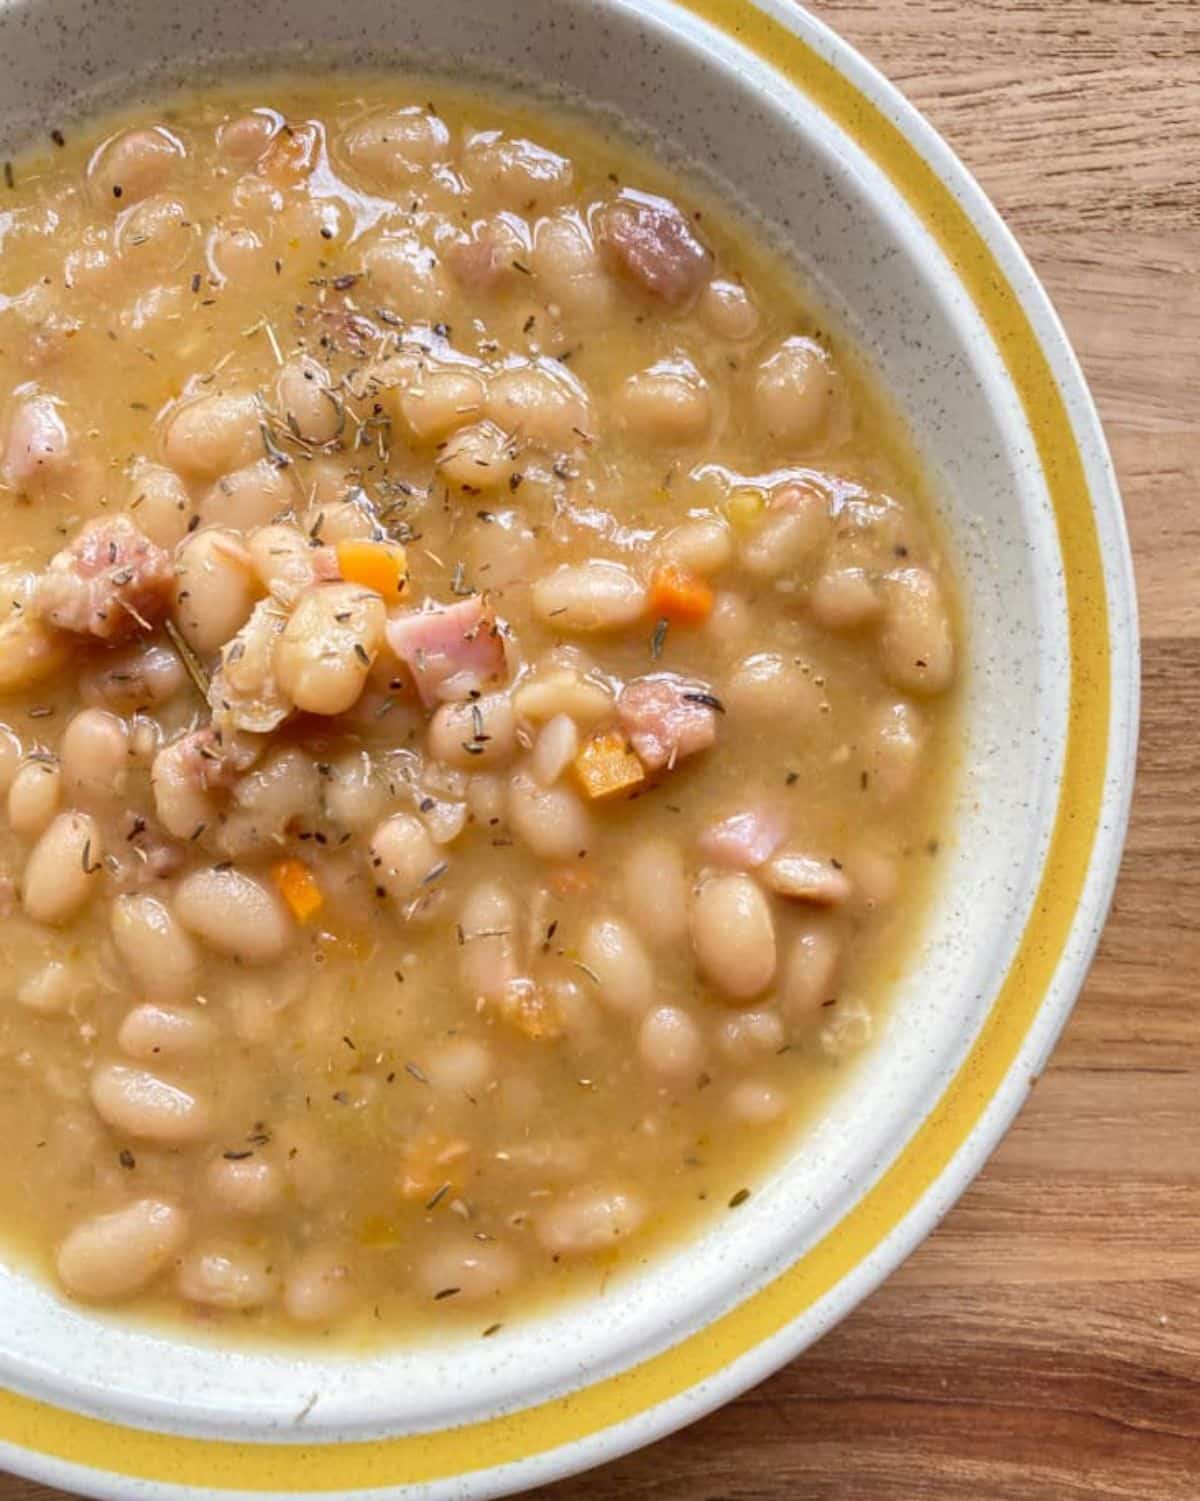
{"x": 909, "y": 255}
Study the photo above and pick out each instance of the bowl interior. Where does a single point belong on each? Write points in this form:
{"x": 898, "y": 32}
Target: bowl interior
{"x": 882, "y": 276}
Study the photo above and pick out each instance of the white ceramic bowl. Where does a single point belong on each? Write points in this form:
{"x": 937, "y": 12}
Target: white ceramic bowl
{"x": 910, "y": 256}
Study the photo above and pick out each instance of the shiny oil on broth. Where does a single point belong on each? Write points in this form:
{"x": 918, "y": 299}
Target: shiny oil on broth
{"x": 476, "y": 674}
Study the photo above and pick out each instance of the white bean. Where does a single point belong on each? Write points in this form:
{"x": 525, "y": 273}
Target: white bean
{"x": 727, "y": 310}
{"x": 354, "y": 795}
{"x": 916, "y": 643}
{"x": 669, "y": 403}
{"x": 563, "y": 691}
{"x": 516, "y": 173}
{"x": 34, "y": 797}
{"x": 215, "y": 589}
{"x": 477, "y": 458}
{"x": 552, "y": 821}
{"x": 244, "y": 1185}
{"x": 319, "y": 1286}
{"x": 407, "y": 278}
{"x": 153, "y": 1031}
{"x": 847, "y": 1029}
{"x": 747, "y": 1035}
{"x": 843, "y": 599}
{"x": 182, "y": 804}
{"x": 656, "y": 891}
{"x": 806, "y": 878}
{"x": 397, "y": 146}
{"x": 893, "y": 744}
{"x": 617, "y": 957}
{"x": 587, "y": 1220}
{"x": 771, "y": 687}
{"x": 487, "y": 957}
{"x": 234, "y": 914}
{"x": 158, "y": 503}
{"x": 249, "y": 497}
{"x": 329, "y": 645}
{"x": 95, "y": 754}
{"x": 157, "y": 950}
{"x": 670, "y": 1045}
{"x": 224, "y": 1274}
{"x": 592, "y": 596}
{"x": 733, "y": 935}
{"x": 791, "y": 533}
{"x": 30, "y": 652}
{"x": 139, "y": 1103}
{"x": 793, "y": 392}
{"x": 214, "y": 435}
{"x": 540, "y": 404}
{"x": 11, "y": 752}
{"x": 51, "y": 989}
{"x": 440, "y": 401}
{"x": 402, "y": 856}
{"x": 566, "y": 263}
{"x": 112, "y": 1255}
{"x": 476, "y": 1270}
{"x": 473, "y": 734}
{"x": 809, "y": 974}
{"x": 133, "y": 164}
{"x": 554, "y": 749}
{"x": 63, "y": 868}
{"x": 702, "y": 544}
{"x": 754, "y": 1102}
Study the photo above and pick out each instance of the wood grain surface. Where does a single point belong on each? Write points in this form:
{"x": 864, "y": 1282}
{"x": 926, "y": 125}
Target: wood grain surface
{"x": 1044, "y": 1344}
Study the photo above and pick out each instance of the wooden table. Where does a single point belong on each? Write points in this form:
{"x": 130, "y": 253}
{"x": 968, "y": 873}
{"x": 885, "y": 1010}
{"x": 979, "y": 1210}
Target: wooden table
{"x": 1044, "y": 1344}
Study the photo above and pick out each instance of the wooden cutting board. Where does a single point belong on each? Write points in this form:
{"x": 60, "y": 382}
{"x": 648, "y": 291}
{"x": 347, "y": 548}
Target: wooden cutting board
{"x": 1044, "y": 1344}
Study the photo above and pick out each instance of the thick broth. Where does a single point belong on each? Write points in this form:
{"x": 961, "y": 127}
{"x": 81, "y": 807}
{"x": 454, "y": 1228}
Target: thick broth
{"x": 575, "y": 747}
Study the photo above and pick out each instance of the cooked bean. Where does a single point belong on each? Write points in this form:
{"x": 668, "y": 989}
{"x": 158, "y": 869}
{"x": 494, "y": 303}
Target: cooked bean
{"x": 155, "y": 237}
{"x": 554, "y": 749}
{"x": 133, "y": 164}
{"x": 63, "y": 866}
{"x": 702, "y": 544}
{"x": 668, "y": 403}
{"x": 112, "y": 1255}
{"x": 540, "y": 404}
{"x": 550, "y": 820}
{"x": 226, "y": 1274}
{"x": 407, "y": 278}
{"x": 153, "y": 1031}
{"x": 11, "y": 752}
{"x": 733, "y": 935}
{"x": 328, "y": 646}
{"x": 319, "y": 1285}
{"x": 670, "y": 1045}
{"x": 475, "y": 1270}
{"x": 656, "y": 891}
{"x": 440, "y": 401}
{"x": 875, "y": 876}
{"x": 30, "y": 652}
{"x": 247, "y": 498}
{"x": 566, "y": 263}
{"x": 624, "y": 974}
{"x": 587, "y": 1220}
{"x": 141, "y": 1104}
{"x": 402, "y": 857}
{"x": 843, "y": 599}
{"x": 234, "y": 252}
{"x": 132, "y": 678}
{"x": 157, "y": 950}
{"x": 790, "y": 534}
{"x": 563, "y": 691}
{"x": 515, "y": 172}
{"x": 847, "y": 1029}
{"x": 398, "y": 145}
{"x": 158, "y": 503}
{"x": 307, "y": 401}
{"x": 488, "y": 951}
{"x": 727, "y": 310}
{"x": 768, "y": 686}
{"x": 95, "y": 755}
{"x": 354, "y": 795}
{"x": 182, "y": 802}
{"x": 244, "y": 1185}
{"x": 52, "y": 989}
{"x": 215, "y": 589}
{"x": 477, "y": 733}
{"x": 806, "y": 878}
{"x": 916, "y": 644}
{"x": 893, "y": 746}
{"x": 754, "y": 1102}
{"x": 477, "y": 458}
{"x": 746, "y": 1035}
{"x": 213, "y": 435}
{"x": 235, "y": 914}
{"x": 592, "y": 596}
{"x": 809, "y": 974}
{"x": 34, "y": 797}
{"x": 793, "y": 392}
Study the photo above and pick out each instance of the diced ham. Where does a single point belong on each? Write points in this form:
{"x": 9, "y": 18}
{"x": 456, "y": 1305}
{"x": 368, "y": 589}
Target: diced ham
{"x": 668, "y": 717}
{"x": 37, "y": 449}
{"x": 451, "y": 650}
{"x": 653, "y": 245}
{"x": 744, "y": 840}
{"x": 108, "y": 582}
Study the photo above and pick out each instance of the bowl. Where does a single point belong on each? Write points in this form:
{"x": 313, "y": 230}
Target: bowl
{"x": 908, "y": 255}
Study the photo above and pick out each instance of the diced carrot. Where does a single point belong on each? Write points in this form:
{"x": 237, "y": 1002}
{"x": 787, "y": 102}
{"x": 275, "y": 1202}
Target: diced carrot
{"x": 381, "y": 566}
{"x": 680, "y": 596}
{"x": 298, "y": 887}
{"x": 606, "y": 764}
{"x": 532, "y": 1011}
{"x": 571, "y": 880}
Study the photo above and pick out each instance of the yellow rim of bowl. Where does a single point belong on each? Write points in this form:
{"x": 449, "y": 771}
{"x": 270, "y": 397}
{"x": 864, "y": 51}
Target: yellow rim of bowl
{"x": 216, "y": 1464}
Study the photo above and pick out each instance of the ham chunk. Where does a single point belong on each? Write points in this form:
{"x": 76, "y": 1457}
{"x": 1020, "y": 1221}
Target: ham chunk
{"x": 451, "y": 650}
{"x": 744, "y": 840}
{"x": 668, "y": 717}
{"x": 37, "y": 450}
{"x": 653, "y": 245}
{"x": 108, "y": 582}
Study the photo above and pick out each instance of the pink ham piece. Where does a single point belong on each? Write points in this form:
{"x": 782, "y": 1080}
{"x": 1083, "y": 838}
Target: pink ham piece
{"x": 36, "y": 447}
{"x": 743, "y": 841}
{"x": 651, "y": 242}
{"x": 111, "y": 581}
{"x": 668, "y": 717}
{"x": 451, "y": 650}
